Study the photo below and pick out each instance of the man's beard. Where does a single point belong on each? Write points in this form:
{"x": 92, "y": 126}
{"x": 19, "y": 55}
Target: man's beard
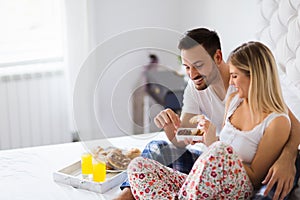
{"x": 203, "y": 86}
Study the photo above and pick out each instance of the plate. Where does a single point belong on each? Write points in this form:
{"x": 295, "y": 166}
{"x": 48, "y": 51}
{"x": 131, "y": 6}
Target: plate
{"x": 186, "y": 133}
{"x": 115, "y": 170}
{"x": 116, "y": 159}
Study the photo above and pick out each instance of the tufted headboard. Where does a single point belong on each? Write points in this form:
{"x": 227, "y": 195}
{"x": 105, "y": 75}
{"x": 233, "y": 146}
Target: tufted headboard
{"x": 280, "y": 31}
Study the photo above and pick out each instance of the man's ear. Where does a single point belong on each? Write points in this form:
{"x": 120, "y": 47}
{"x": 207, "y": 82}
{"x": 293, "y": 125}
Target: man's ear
{"x": 218, "y": 57}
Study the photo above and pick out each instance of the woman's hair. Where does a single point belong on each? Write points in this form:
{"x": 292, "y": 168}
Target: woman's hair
{"x": 257, "y": 61}
{"x": 207, "y": 38}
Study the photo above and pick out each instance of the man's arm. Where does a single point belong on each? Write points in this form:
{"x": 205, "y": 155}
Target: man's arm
{"x": 125, "y": 194}
{"x": 283, "y": 170}
{"x": 169, "y": 121}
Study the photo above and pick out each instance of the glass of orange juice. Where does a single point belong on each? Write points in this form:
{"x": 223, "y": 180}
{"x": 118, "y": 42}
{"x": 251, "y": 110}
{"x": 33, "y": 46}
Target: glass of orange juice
{"x": 99, "y": 169}
{"x": 86, "y": 165}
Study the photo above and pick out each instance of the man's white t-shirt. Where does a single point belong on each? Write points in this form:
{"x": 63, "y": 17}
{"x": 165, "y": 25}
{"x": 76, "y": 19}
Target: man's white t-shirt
{"x": 205, "y": 102}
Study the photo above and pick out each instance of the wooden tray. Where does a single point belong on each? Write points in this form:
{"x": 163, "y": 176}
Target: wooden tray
{"x": 71, "y": 175}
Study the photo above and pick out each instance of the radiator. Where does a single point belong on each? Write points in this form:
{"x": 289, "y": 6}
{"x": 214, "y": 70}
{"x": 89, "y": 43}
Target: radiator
{"x": 33, "y": 109}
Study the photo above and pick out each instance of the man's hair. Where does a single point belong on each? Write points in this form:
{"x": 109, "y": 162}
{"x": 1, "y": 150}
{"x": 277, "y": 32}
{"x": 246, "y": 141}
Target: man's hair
{"x": 207, "y": 38}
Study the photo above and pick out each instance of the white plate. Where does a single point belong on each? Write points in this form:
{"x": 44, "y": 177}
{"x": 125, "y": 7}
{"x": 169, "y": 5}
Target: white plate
{"x": 189, "y": 135}
{"x": 115, "y": 170}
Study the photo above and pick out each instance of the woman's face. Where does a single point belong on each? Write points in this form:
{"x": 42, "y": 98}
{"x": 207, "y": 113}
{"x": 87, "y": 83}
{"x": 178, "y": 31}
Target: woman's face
{"x": 239, "y": 80}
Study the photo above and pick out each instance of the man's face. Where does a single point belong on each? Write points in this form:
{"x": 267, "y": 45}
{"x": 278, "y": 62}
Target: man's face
{"x": 199, "y": 66}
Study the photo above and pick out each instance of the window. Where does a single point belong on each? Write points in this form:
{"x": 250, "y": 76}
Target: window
{"x": 31, "y": 32}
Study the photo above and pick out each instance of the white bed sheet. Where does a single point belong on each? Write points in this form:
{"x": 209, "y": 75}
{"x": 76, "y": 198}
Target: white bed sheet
{"x": 27, "y": 173}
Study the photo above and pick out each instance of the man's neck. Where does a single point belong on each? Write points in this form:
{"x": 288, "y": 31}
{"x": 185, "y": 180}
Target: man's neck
{"x": 224, "y": 71}
{"x": 221, "y": 85}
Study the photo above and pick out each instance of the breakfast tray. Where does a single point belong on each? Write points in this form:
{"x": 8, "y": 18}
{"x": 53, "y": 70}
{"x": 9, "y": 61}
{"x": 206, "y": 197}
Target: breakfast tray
{"x": 71, "y": 175}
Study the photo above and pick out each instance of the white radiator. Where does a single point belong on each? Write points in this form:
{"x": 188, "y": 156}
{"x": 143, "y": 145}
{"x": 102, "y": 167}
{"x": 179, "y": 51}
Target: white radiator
{"x": 33, "y": 109}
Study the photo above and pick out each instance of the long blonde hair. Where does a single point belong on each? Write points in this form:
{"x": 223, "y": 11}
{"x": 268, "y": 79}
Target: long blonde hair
{"x": 257, "y": 61}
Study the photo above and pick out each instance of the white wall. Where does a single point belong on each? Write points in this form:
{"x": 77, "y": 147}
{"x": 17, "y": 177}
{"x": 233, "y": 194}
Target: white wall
{"x": 106, "y": 21}
{"x": 234, "y": 20}
{"x": 114, "y": 16}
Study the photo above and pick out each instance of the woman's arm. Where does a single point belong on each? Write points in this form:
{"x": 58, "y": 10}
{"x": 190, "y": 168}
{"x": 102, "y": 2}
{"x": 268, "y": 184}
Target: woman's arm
{"x": 269, "y": 148}
{"x": 283, "y": 170}
{"x": 209, "y": 129}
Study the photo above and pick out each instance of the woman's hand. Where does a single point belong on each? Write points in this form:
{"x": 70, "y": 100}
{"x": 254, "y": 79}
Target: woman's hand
{"x": 205, "y": 125}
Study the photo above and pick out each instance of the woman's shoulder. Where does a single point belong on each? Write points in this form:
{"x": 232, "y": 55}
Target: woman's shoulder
{"x": 277, "y": 119}
{"x": 279, "y": 125}
{"x": 229, "y": 99}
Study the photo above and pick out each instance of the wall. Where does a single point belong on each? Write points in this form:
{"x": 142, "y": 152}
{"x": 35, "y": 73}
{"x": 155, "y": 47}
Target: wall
{"x": 234, "y": 20}
{"x": 113, "y": 17}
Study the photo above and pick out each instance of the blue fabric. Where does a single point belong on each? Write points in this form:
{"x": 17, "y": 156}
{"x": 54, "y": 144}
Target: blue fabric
{"x": 259, "y": 194}
{"x": 180, "y": 159}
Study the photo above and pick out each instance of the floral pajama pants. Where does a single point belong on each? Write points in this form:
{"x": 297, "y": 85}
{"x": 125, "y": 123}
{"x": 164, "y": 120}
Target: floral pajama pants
{"x": 217, "y": 174}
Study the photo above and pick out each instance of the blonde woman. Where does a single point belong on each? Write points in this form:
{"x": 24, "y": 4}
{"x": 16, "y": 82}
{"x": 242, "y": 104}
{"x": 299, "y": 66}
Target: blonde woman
{"x": 256, "y": 128}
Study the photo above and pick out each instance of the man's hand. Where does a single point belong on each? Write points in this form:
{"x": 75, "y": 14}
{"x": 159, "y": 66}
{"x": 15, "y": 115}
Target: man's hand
{"x": 283, "y": 173}
{"x": 125, "y": 195}
{"x": 169, "y": 121}
{"x": 167, "y": 117}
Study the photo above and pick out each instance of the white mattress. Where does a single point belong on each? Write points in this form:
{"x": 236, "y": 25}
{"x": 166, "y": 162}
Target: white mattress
{"x": 28, "y": 173}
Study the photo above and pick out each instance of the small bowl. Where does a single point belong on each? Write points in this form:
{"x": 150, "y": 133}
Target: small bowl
{"x": 187, "y": 133}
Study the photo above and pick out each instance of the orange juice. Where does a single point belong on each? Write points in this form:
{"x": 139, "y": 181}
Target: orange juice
{"x": 86, "y": 164}
{"x": 99, "y": 171}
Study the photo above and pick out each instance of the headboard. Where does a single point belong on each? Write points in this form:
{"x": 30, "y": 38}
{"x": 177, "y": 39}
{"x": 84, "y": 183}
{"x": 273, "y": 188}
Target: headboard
{"x": 280, "y": 31}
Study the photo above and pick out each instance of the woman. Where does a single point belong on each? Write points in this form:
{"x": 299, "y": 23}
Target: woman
{"x": 256, "y": 127}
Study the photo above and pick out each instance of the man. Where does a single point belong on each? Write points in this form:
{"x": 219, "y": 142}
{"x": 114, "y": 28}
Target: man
{"x": 206, "y": 94}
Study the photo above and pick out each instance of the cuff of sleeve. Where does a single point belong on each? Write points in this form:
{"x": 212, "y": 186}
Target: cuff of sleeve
{"x": 125, "y": 184}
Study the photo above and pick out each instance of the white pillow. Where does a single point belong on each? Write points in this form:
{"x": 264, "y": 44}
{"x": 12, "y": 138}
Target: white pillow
{"x": 291, "y": 94}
